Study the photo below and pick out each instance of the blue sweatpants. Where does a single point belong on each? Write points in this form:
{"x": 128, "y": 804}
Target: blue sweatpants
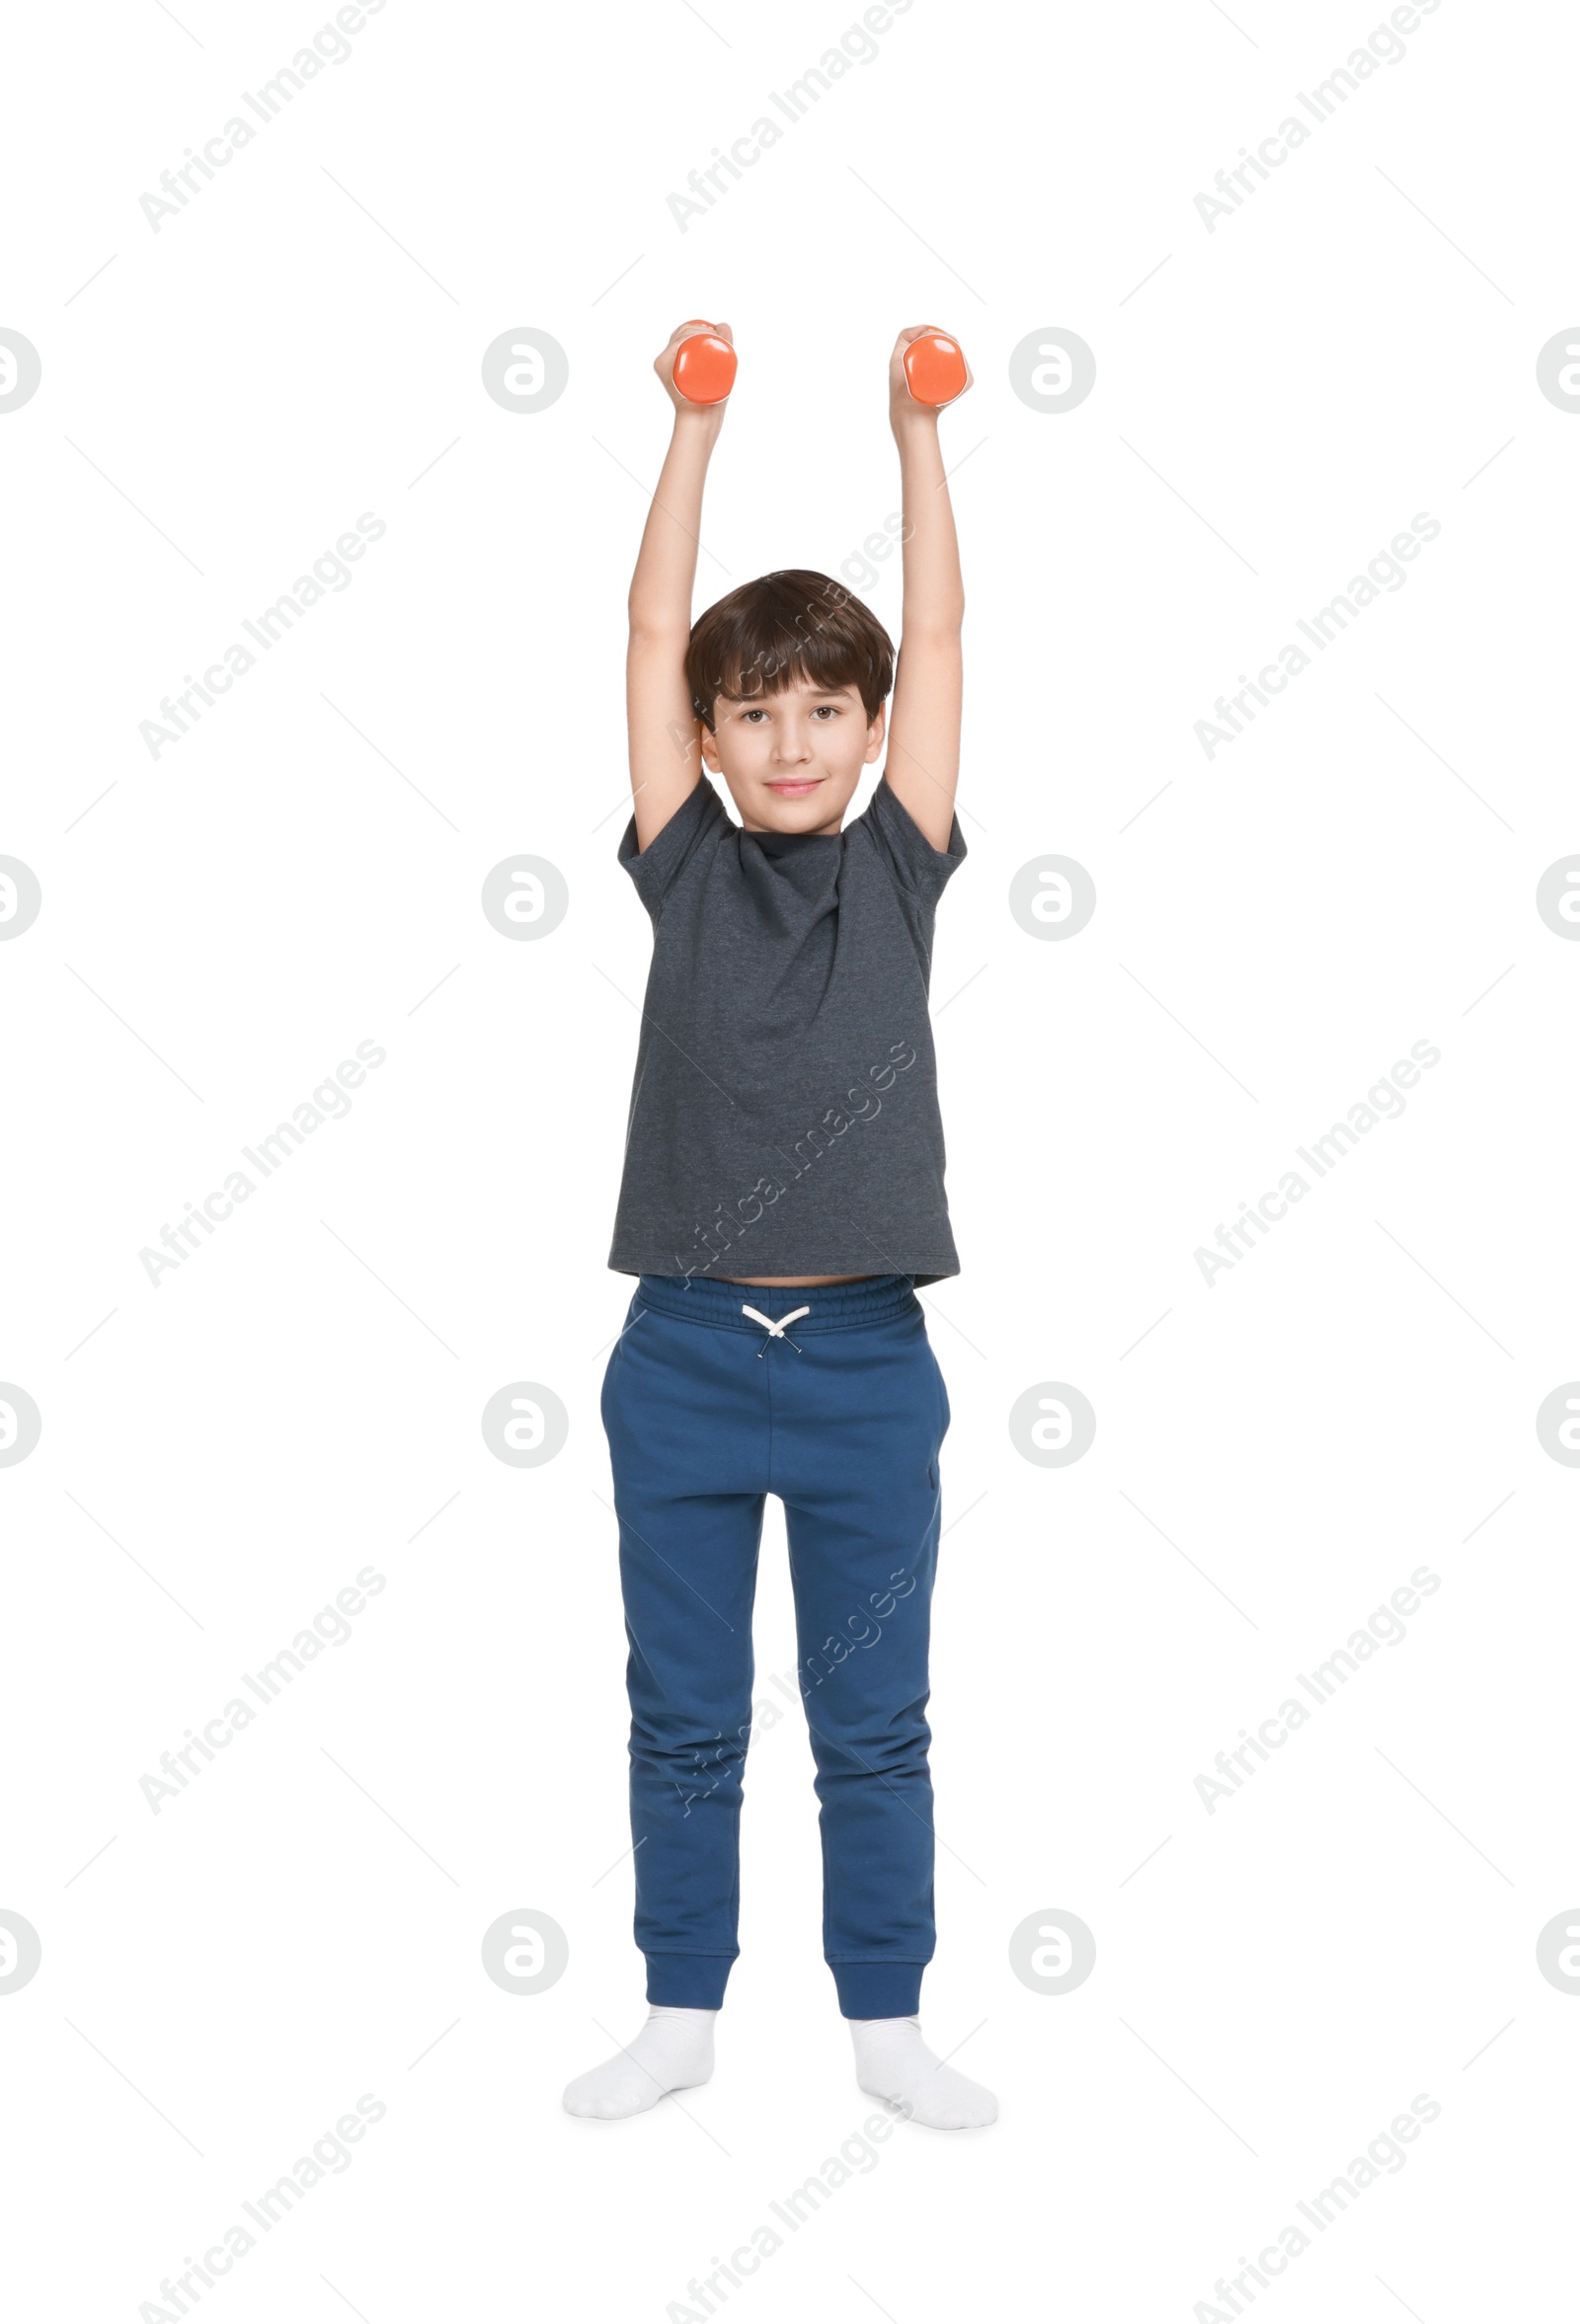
{"x": 841, "y": 1414}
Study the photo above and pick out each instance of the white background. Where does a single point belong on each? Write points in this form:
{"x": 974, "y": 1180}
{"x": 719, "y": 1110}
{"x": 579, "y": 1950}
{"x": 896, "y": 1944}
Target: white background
{"x": 302, "y": 1398}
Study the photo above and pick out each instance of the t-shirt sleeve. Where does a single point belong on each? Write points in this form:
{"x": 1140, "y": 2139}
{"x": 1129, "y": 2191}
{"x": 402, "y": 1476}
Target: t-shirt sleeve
{"x": 921, "y": 869}
{"x": 655, "y": 869}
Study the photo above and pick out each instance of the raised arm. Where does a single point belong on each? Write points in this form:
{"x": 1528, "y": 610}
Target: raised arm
{"x": 923, "y": 763}
{"x": 660, "y": 720}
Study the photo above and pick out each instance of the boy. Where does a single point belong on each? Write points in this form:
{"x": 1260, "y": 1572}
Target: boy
{"x": 784, "y": 1141}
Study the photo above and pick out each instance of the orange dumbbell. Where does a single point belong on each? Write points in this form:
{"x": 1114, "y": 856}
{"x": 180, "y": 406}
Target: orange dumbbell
{"x": 704, "y": 364}
{"x": 935, "y": 368}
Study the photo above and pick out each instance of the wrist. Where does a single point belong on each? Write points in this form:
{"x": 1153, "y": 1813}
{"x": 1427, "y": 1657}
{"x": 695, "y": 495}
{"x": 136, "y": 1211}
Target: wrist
{"x": 698, "y": 419}
{"x": 913, "y": 421}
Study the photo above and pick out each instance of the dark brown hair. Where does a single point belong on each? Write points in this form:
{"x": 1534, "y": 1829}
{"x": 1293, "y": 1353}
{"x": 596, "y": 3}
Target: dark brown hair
{"x": 790, "y": 625}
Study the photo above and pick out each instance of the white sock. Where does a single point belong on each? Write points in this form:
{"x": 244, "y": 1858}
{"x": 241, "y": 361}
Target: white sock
{"x": 893, "y": 2062}
{"x": 673, "y": 2052}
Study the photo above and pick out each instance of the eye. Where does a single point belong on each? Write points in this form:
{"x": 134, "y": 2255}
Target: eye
{"x": 831, "y": 707}
{"x": 750, "y": 714}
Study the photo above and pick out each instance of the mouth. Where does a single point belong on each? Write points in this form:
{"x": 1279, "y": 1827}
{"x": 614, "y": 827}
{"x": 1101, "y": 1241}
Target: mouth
{"x": 796, "y": 787}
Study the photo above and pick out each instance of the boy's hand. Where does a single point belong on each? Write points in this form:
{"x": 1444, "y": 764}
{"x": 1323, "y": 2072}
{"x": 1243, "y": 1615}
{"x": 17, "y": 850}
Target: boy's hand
{"x": 663, "y": 365}
{"x": 904, "y": 408}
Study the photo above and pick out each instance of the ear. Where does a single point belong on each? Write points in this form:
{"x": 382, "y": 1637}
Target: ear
{"x": 710, "y": 749}
{"x": 875, "y": 734}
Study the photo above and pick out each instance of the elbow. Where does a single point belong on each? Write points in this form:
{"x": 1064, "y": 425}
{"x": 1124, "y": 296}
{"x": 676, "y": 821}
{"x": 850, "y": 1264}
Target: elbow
{"x": 943, "y": 613}
{"x": 649, "y": 627}
{"x": 940, "y": 625}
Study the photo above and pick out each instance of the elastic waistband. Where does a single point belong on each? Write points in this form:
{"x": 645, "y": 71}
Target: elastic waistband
{"x": 832, "y": 1307}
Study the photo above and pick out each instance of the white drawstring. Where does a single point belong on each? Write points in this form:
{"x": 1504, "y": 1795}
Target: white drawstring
{"x": 776, "y": 1331}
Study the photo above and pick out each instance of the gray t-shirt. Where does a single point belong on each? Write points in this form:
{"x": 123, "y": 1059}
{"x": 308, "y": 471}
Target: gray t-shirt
{"x": 784, "y": 1116}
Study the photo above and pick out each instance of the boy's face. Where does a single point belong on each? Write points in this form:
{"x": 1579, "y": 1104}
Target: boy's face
{"x": 793, "y": 761}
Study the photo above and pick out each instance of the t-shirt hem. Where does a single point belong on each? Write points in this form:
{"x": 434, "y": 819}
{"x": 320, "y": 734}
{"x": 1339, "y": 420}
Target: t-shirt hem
{"x": 923, "y": 1270}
